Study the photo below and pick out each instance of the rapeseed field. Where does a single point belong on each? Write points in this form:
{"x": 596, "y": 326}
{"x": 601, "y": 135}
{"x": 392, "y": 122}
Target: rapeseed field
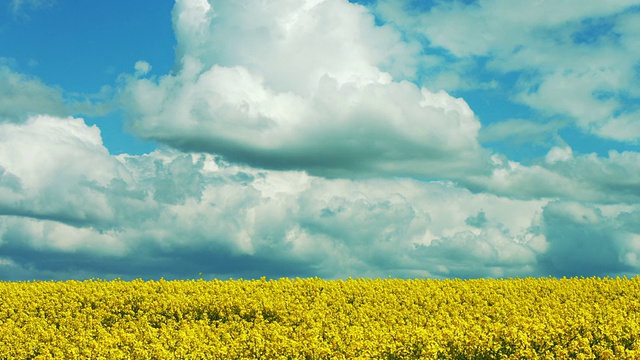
{"x": 545, "y": 318}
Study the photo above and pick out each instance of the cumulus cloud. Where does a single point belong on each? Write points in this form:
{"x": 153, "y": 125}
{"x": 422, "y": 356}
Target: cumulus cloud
{"x": 297, "y": 149}
{"x": 292, "y": 44}
{"x": 71, "y": 209}
{"x": 292, "y": 86}
{"x": 49, "y": 168}
{"x": 563, "y": 175}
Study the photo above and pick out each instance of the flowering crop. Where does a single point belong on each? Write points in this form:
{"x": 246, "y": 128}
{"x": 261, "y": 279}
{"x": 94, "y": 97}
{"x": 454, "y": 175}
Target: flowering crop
{"x": 580, "y": 318}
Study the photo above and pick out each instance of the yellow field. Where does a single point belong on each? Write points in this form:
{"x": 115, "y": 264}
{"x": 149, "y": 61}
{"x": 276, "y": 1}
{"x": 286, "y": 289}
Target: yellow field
{"x": 587, "y": 318}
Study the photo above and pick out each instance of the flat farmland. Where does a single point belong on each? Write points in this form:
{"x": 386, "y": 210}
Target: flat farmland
{"x": 530, "y": 318}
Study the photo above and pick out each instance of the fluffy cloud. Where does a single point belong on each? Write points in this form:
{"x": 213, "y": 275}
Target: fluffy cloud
{"x": 292, "y": 86}
{"x": 50, "y": 169}
{"x": 589, "y": 178}
{"x": 296, "y": 149}
{"x": 292, "y": 44}
{"x": 571, "y": 59}
{"x": 71, "y": 209}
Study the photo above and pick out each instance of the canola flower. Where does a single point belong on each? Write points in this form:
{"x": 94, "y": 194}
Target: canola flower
{"x": 577, "y": 318}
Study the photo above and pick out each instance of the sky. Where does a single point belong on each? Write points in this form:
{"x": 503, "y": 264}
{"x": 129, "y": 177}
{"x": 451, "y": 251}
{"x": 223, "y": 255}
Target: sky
{"x": 331, "y": 138}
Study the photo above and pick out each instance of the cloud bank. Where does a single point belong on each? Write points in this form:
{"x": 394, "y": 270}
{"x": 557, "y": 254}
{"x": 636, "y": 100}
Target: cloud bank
{"x": 76, "y": 209}
{"x": 296, "y": 140}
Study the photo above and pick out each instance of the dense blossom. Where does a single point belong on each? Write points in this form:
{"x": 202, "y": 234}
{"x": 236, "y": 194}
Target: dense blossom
{"x": 546, "y": 318}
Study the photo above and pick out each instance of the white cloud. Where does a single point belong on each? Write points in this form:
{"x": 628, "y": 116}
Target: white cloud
{"x": 524, "y": 182}
{"x": 309, "y": 94}
{"x": 302, "y": 86}
{"x": 51, "y": 167}
{"x": 559, "y": 154}
{"x": 72, "y": 208}
{"x": 22, "y": 96}
{"x": 589, "y": 178}
{"x": 174, "y": 214}
{"x": 572, "y": 58}
{"x": 291, "y": 44}
{"x": 55, "y": 144}
{"x": 142, "y": 68}
{"x": 46, "y": 235}
{"x": 624, "y": 127}
{"x": 500, "y": 25}
{"x": 569, "y": 93}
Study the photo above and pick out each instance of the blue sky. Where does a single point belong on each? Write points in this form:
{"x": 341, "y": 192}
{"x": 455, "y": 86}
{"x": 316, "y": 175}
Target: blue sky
{"x": 319, "y": 138}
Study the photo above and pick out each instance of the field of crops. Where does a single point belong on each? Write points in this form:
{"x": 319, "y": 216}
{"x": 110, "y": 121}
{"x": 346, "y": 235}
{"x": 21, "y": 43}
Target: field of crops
{"x": 587, "y": 318}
